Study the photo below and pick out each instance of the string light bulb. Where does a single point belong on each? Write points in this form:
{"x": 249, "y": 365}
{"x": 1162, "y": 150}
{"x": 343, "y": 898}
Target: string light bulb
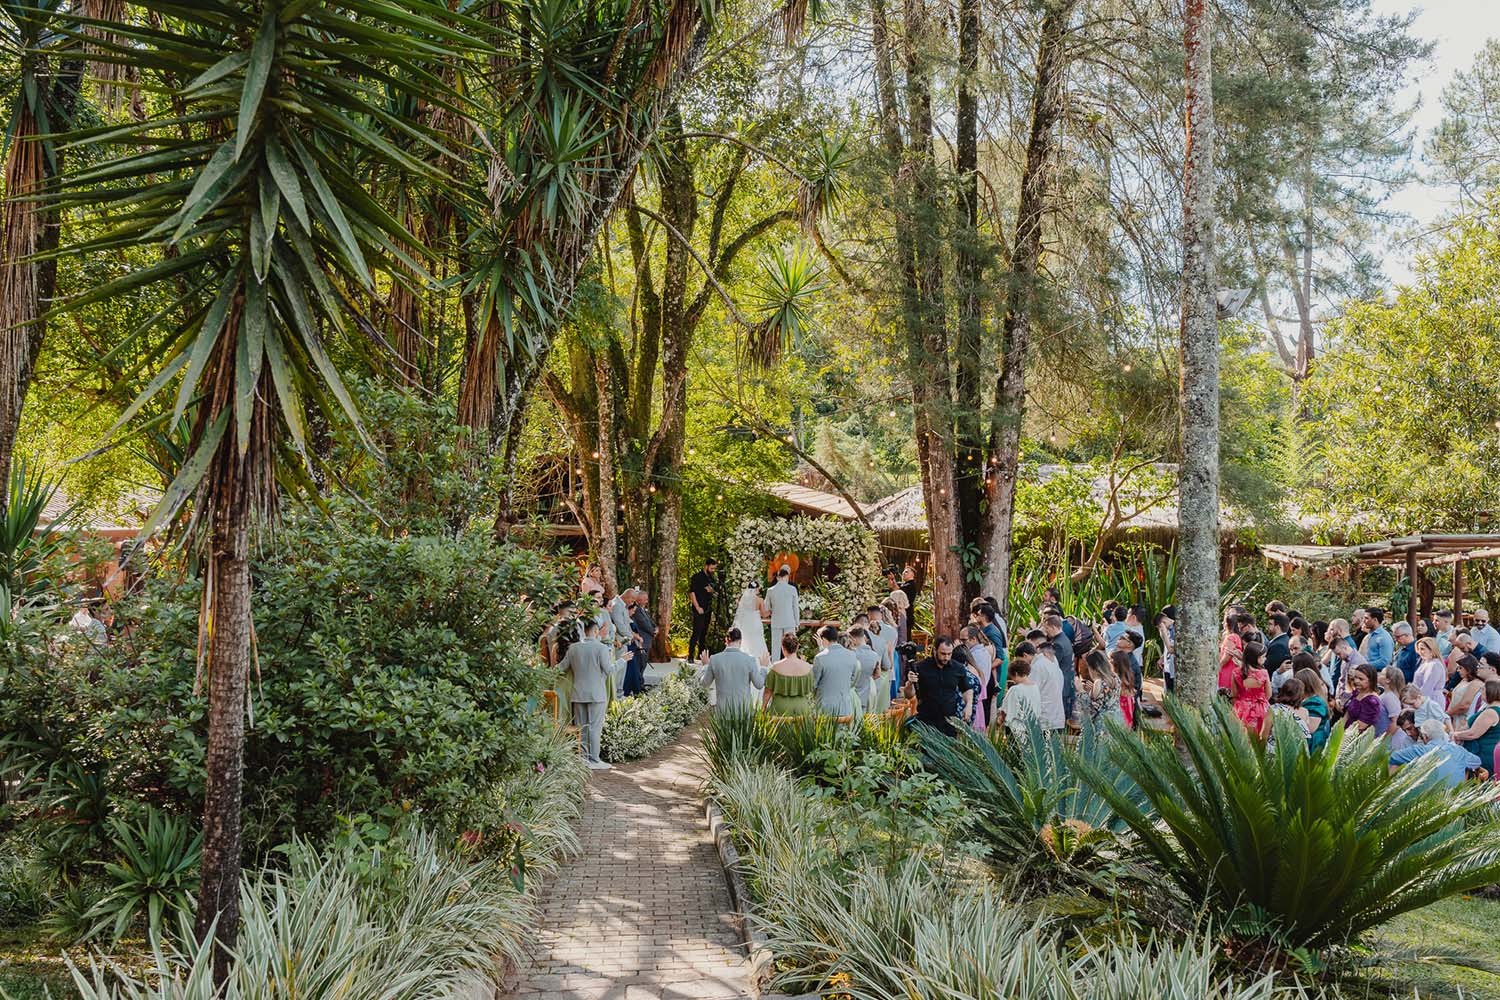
{"x": 596, "y": 454}
{"x": 1127, "y": 367}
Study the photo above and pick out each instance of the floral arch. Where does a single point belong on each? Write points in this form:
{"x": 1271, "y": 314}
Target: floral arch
{"x": 849, "y": 544}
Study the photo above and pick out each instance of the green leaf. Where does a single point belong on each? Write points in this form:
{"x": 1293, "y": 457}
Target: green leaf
{"x": 188, "y": 477}
{"x": 218, "y": 71}
{"x": 288, "y": 396}
{"x": 257, "y": 73}
{"x": 287, "y": 182}
{"x": 333, "y": 211}
{"x": 249, "y": 355}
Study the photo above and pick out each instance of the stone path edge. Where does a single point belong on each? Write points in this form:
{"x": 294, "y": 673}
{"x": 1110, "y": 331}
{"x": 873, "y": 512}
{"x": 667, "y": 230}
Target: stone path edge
{"x": 757, "y": 945}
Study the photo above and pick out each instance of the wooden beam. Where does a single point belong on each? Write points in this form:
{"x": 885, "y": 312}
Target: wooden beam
{"x": 1411, "y": 579}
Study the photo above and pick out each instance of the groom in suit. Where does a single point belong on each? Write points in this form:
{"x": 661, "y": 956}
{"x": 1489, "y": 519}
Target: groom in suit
{"x": 786, "y": 610}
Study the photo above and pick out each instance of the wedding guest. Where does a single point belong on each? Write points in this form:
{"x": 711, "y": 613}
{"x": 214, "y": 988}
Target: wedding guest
{"x": 1052, "y": 627}
{"x": 897, "y": 619}
{"x": 1391, "y": 686}
{"x": 789, "y": 683}
{"x": 1022, "y": 700}
{"x": 1123, "y": 664}
{"x": 1049, "y": 683}
{"x": 1378, "y": 647}
{"x": 1431, "y": 671}
{"x": 645, "y": 634}
{"x": 1465, "y": 692}
{"x": 1406, "y": 650}
{"x": 1422, "y": 708}
{"x": 1251, "y": 688}
{"x": 733, "y": 674}
{"x": 1166, "y": 627}
{"x": 909, "y": 585}
{"x": 589, "y": 665}
{"x": 834, "y": 669}
{"x": 1099, "y": 693}
{"x": 1315, "y": 703}
{"x": 1442, "y": 631}
{"x": 1486, "y": 638}
{"x": 1279, "y": 644}
{"x": 1482, "y": 734}
{"x": 866, "y": 677}
{"x": 883, "y": 639}
{"x": 1457, "y": 761}
{"x": 1362, "y": 704}
{"x": 982, "y": 661}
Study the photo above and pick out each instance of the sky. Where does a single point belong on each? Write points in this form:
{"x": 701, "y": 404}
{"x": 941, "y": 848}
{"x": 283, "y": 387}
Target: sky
{"x": 1459, "y": 28}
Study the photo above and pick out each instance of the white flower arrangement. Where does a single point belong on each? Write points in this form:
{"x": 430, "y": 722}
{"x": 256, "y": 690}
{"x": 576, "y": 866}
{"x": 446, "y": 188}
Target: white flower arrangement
{"x": 849, "y": 544}
{"x": 638, "y": 727}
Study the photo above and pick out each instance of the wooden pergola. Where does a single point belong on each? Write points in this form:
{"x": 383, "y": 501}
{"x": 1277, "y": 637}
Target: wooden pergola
{"x": 1413, "y": 552}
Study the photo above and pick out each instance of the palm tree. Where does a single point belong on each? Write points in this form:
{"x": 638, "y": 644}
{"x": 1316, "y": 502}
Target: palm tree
{"x": 254, "y": 181}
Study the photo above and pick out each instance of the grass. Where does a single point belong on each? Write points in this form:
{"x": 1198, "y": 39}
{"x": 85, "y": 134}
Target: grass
{"x": 32, "y": 968}
{"x": 1463, "y": 923}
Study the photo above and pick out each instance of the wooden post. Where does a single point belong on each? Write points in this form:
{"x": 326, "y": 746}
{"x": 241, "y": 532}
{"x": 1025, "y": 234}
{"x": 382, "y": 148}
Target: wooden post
{"x": 1414, "y": 584}
{"x": 1458, "y": 593}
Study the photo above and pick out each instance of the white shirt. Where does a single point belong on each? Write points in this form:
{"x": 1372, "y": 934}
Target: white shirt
{"x": 1049, "y": 687}
{"x": 1022, "y": 701}
{"x": 983, "y": 664}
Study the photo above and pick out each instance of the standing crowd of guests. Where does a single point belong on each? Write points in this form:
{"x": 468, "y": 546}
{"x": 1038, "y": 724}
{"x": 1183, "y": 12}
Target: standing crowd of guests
{"x": 1427, "y": 686}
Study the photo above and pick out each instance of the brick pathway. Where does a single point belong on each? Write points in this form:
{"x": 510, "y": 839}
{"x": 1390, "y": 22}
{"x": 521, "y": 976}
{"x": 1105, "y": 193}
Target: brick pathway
{"x": 643, "y": 912}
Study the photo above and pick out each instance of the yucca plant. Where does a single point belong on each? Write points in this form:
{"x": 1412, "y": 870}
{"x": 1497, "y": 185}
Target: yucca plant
{"x": 253, "y": 180}
{"x": 155, "y": 871}
{"x": 1316, "y": 848}
{"x": 321, "y": 930}
{"x": 1041, "y": 821}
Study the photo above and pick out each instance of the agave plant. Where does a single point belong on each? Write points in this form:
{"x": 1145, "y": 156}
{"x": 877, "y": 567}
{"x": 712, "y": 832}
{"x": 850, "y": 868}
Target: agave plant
{"x": 1316, "y": 848}
{"x": 1039, "y": 818}
{"x": 155, "y": 871}
{"x": 27, "y": 545}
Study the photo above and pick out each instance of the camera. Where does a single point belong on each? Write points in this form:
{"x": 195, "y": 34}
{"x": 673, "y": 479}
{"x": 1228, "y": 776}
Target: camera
{"x": 908, "y": 649}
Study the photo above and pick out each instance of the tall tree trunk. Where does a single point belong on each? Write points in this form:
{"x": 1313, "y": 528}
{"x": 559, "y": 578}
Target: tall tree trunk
{"x": 232, "y": 501}
{"x": 927, "y": 338}
{"x": 1198, "y": 502}
{"x": 30, "y": 228}
{"x": 970, "y": 257}
{"x": 1025, "y": 261}
{"x": 607, "y": 543}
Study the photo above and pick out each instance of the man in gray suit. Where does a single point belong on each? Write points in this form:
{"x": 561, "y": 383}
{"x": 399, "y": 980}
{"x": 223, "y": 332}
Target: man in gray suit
{"x": 833, "y": 673}
{"x": 785, "y": 608}
{"x": 869, "y": 664}
{"x": 591, "y": 665}
{"x": 734, "y": 675}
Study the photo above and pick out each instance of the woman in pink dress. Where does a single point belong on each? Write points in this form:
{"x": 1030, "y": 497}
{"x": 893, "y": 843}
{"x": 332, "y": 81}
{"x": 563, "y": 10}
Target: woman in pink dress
{"x": 1252, "y": 688}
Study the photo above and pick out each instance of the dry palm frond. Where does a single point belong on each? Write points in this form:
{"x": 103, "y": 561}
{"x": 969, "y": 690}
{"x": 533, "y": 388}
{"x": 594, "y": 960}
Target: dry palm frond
{"x": 110, "y": 76}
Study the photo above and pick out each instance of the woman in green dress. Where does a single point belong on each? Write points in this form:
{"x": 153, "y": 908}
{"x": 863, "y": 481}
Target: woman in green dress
{"x": 789, "y": 682}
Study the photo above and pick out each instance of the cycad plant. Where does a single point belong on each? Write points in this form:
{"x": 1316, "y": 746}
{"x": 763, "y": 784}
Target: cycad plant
{"x": 252, "y": 178}
{"x": 1041, "y": 821}
{"x": 1315, "y": 848}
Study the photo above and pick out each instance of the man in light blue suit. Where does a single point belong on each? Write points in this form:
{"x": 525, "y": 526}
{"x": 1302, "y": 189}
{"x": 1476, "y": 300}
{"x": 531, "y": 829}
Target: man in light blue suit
{"x": 734, "y": 675}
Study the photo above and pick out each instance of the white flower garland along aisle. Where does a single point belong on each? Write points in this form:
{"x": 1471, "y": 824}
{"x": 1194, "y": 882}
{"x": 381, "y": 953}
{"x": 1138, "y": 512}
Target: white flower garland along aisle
{"x": 851, "y": 545}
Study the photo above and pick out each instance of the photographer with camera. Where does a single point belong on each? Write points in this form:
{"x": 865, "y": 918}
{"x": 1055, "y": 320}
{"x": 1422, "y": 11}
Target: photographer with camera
{"x": 940, "y": 685}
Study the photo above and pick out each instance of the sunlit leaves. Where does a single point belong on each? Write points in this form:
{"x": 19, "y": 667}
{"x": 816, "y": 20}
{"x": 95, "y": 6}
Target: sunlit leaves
{"x": 783, "y": 299}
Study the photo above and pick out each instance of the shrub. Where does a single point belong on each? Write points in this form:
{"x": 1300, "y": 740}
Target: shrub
{"x": 802, "y": 745}
{"x": 926, "y": 929}
{"x": 392, "y": 673}
{"x": 1310, "y": 849}
{"x": 638, "y": 727}
{"x": 1032, "y": 807}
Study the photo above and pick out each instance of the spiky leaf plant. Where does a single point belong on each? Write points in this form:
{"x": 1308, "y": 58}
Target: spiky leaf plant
{"x": 1035, "y": 812}
{"x": 1317, "y": 847}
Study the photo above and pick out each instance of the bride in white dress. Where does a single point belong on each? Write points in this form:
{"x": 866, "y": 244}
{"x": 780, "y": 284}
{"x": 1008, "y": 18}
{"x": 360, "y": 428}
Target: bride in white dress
{"x": 748, "y": 618}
